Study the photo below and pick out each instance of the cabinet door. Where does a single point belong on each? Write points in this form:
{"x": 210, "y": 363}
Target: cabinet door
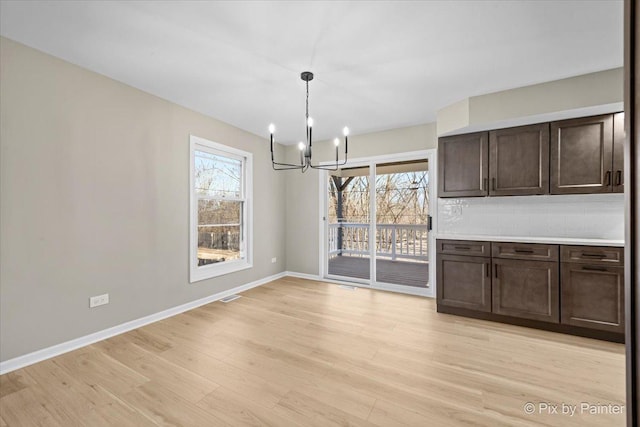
{"x": 593, "y": 296}
{"x": 581, "y": 155}
{"x": 463, "y": 165}
{"x": 526, "y": 289}
{"x": 464, "y": 281}
{"x": 618, "y": 153}
{"x": 519, "y": 161}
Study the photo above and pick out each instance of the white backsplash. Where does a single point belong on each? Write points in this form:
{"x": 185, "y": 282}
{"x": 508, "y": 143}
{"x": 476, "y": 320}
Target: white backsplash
{"x": 592, "y": 216}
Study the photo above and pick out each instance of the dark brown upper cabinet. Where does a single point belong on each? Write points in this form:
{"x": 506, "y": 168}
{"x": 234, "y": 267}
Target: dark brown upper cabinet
{"x": 463, "y": 165}
{"x": 519, "y": 161}
{"x": 582, "y": 155}
{"x": 618, "y": 152}
{"x": 576, "y": 156}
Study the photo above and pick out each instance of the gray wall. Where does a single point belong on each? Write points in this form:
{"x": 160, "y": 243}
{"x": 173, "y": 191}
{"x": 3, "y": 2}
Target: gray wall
{"x": 576, "y": 96}
{"x": 303, "y": 194}
{"x": 94, "y": 198}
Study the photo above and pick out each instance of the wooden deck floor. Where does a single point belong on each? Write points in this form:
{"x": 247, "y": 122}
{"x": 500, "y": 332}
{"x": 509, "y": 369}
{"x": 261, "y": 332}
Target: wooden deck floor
{"x": 396, "y": 272}
{"x": 296, "y": 352}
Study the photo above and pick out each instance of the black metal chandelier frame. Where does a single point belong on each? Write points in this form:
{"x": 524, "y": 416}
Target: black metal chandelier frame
{"x": 305, "y": 149}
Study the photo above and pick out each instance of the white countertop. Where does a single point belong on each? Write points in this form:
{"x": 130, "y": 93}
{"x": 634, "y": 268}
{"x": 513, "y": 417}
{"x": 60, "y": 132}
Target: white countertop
{"x": 523, "y": 239}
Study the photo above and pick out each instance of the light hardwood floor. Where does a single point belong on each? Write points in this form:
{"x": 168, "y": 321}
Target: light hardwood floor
{"x": 299, "y": 352}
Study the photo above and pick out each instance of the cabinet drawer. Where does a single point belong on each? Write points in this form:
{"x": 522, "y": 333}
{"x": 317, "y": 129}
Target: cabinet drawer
{"x": 463, "y": 247}
{"x": 525, "y": 251}
{"x": 599, "y": 255}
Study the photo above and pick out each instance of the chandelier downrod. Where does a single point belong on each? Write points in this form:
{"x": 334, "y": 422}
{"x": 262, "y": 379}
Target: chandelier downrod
{"x": 305, "y": 149}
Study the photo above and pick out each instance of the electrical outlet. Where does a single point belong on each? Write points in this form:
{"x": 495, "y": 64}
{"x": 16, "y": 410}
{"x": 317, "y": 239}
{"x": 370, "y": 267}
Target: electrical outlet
{"x": 98, "y": 300}
{"x": 273, "y": 260}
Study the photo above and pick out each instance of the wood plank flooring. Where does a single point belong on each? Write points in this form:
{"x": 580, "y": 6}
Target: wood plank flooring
{"x": 405, "y": 273}
{"x": 302, "y": 353}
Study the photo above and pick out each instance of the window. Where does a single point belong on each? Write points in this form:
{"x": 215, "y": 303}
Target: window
{"x": 221, "y": 240}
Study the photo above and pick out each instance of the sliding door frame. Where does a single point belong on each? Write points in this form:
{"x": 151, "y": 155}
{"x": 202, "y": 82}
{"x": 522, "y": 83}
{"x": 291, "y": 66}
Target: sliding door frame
{"x": 323, "y": 228}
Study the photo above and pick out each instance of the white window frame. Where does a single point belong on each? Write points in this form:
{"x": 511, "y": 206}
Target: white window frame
{"x": 208, "y": 271}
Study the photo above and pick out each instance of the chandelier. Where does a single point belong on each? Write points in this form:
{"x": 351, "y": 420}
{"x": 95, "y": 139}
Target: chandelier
{"x": 305, "y": 148}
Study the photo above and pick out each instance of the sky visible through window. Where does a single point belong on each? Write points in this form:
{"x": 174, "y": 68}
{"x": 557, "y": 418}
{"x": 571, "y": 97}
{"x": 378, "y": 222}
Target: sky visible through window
{"x": 217, "y": 176}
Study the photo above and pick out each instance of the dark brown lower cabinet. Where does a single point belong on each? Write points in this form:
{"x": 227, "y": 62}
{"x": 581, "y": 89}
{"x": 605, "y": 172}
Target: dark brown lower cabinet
{"x": 526, "y": 289}
{"x": 571, "y": 289}
{"x": 593, "y": 296}
{"x": 464, "y": 281}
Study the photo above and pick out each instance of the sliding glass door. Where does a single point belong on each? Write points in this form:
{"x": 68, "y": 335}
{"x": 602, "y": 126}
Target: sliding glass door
{"x": 393, "y": 250}
{"x": 348, "y": 218}
{"x": 402, "y": 203}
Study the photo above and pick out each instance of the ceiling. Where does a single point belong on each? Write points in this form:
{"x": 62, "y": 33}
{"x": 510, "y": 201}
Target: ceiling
{"x": 378, "y": 65}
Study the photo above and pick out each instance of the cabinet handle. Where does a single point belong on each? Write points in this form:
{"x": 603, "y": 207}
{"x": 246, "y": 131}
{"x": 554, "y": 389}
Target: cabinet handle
{"x": 493, "y": 184}
{"x": 618, "y": 177}
{"x": 484, "y": 184}
{"x": 607, "y": 178}
{"x": 488, "y": 270}
{"x": 462, "y": 248}
{"x": 592, "y": 255}
{"x": 590, "y": 268}
{"x": 523, "y": 251}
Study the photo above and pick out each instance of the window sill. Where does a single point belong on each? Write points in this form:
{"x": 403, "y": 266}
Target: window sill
{"x": 214, "y": 270}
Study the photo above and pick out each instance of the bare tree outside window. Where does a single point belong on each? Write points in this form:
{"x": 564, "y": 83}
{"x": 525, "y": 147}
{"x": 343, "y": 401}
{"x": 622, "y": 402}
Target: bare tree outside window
{"x": 401, "y": 223}
{"x": 218, "y": 185}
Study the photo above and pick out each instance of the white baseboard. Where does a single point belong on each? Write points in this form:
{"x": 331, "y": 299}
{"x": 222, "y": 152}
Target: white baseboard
{"x": 303, "y": 275}
{"x": 55, "y": 350}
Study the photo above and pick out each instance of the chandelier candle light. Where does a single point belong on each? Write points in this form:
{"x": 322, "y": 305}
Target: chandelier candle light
{"x": 305, "y": 149}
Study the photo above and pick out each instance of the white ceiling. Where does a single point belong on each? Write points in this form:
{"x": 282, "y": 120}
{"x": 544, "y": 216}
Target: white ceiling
{"x": 378, "y": 65}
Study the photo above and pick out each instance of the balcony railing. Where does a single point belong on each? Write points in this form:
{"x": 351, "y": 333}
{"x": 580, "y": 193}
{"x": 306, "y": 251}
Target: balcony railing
{"x": 393, "y": 241}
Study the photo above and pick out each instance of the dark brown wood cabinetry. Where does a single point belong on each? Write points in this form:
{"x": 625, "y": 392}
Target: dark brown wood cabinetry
{"x": 519, "y": 161}
{"x": 464, "y": 165}
{"x": 593, "y": 288}
{"x": 582, "y": 155}
{"x": 463, "y": 247}
{"x": 576, "y": 156}
{"x": 525, "y": 251}
{"x": 526, "y": 289}
{"x": 571, "y": 289}
{"x": 618, "y": 153}
{"x": 526, "y": 281}
{"x": 464, "y": 274}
